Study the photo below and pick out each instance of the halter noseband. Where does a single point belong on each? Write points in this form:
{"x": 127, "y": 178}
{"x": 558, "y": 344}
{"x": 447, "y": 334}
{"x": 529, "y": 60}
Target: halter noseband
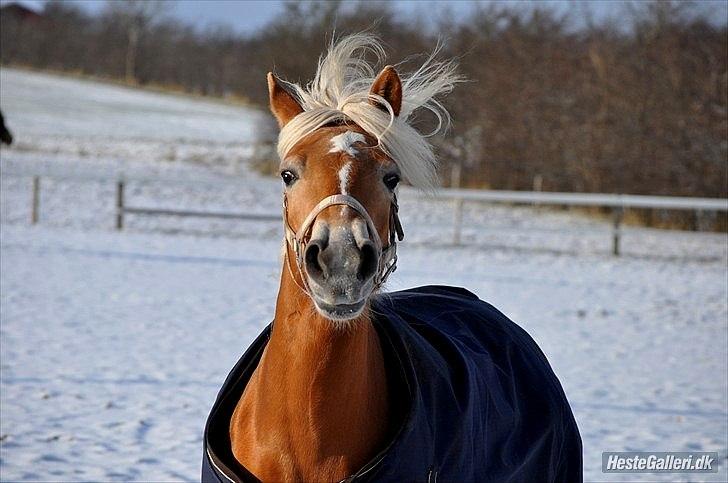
{"x": 299, "y": 239}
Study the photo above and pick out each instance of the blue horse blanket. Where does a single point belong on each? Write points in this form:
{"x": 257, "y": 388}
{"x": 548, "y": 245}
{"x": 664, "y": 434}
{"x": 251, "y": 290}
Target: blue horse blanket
{"x": 476, "y": 397}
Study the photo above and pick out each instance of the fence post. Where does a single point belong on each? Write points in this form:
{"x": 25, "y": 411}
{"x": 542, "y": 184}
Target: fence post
{"x": 617, "y": 214}
{"x": 455, "y": 175}
{"x": 34, "y": 213}
{"x": 457, "y": 220}
{"x": 699, "y": 220}
{"x": 119, "y": 205}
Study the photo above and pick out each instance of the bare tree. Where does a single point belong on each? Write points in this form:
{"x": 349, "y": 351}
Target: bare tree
{"x": 637, "y": 104}
{"x": 135, "y": 16}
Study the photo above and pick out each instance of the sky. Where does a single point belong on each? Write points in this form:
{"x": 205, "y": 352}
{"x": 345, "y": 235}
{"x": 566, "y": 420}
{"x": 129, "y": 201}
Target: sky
{"x": 248, "y": 15}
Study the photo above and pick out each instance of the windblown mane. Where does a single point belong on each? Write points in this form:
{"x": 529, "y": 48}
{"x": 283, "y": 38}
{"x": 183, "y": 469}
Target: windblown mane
{"x": 340, "y": 92}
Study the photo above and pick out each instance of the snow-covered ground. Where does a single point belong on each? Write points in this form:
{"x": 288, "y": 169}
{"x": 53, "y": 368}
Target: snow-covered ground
{"x": 114, "y": 344}
{"x": 56, "y": 117}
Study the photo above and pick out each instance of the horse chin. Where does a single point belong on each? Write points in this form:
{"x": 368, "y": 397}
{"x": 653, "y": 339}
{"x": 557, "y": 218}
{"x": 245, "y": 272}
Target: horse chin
{"x": 340, "y": 299}
{"x": 340, "y": 312}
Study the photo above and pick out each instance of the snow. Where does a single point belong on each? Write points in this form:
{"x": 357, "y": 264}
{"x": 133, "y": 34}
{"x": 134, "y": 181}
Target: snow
{"x": 113, "y": 344}
{"x": 63, "y": 116}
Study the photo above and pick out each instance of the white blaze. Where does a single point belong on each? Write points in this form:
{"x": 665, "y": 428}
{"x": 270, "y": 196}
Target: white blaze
{"x": 343, "y": 143}
{"x": 344, "y": 177}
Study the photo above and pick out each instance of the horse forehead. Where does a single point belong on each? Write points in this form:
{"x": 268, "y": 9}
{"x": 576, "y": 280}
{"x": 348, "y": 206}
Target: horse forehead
{"x": 339, "y": 153}
{"x": 345, "y": 142}
{"x": 334, "y": 148}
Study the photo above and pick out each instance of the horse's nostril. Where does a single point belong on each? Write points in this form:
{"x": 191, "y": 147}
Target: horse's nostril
{"x": 313, "y": 267}
{"x": 369, "y": 261}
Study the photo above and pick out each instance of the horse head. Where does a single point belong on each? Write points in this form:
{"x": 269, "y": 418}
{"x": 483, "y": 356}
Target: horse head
{"x": 344, "y": 145}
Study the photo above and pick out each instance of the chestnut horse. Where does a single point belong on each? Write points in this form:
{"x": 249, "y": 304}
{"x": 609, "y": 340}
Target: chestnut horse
{"x": 321, "y": 399}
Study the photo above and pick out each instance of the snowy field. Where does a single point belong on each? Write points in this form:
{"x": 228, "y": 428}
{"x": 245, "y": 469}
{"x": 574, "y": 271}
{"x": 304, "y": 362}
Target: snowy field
{"x": 114, "y": 344}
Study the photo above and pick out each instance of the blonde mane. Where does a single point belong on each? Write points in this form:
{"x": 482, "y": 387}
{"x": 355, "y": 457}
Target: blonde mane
{"x": 340, "y": 92}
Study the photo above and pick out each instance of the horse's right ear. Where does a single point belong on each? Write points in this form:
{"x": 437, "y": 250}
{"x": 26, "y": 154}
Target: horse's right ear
{"x": 282, "y": 104}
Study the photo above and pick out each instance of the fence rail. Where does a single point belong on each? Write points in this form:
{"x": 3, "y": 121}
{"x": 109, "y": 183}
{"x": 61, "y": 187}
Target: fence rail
{"x": 617, "y": 202}
{"x": 587, "y": 199}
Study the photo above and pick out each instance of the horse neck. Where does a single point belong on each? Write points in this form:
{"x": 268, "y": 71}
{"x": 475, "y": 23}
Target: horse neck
{"x": 325, "y": 386}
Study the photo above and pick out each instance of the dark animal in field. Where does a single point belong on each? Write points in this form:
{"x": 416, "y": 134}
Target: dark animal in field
{"x": 5, "y": 135}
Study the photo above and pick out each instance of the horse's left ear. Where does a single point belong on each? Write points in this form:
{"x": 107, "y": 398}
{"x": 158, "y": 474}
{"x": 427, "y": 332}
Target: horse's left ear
{"x": 388, "y": 86}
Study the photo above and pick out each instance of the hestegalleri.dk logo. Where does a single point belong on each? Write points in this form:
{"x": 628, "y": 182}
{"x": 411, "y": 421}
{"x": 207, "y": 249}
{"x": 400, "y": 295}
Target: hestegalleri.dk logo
{"x": 659, "y": 462}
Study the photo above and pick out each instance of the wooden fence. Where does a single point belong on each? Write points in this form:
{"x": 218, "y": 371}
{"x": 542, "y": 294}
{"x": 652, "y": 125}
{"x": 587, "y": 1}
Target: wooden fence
{"x": 618, "y": 203}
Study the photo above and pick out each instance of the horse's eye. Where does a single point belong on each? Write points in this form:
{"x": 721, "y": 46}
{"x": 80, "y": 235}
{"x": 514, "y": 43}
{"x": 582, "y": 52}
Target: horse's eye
{"x": 288, "y": 177}
{"x": 391, "y": 181}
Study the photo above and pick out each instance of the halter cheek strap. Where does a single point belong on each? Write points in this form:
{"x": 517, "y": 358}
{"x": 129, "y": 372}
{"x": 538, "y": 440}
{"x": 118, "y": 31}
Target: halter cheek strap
{"x": 297, "y": 240}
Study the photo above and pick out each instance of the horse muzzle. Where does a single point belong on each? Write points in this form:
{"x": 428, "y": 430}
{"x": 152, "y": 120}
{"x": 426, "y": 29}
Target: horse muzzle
{"x": 341, "y": 264}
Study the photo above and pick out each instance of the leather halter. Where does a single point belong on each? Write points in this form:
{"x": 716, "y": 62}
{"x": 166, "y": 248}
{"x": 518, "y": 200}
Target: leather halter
{"x": 298, "y": 240}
